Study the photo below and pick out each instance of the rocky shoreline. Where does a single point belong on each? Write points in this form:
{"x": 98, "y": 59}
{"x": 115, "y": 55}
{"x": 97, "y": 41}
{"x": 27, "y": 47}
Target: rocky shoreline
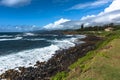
{"x": 59, "y": 62}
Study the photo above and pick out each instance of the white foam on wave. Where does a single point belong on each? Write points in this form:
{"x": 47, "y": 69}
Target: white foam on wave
{"x": 69, "y": 35}
{"x": 29, "y": 34}
{"x": 26, "y": 58}
{"x": 5, "y": 36}
{"x": 37, "y": 39}
{"x": 55, "y": 35}
{"x": 68, "y": 42}
{"x": 30, "y": 57}
{"x": 80, "y": 36}
{"x": 76, "y": 38}
{"x": 63, "y": 44}
{"x": 16, "y": 38}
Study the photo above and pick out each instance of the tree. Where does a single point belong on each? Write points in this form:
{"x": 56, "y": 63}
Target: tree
{"x": 111, "y": 24}
{"x": 82, "y": 26}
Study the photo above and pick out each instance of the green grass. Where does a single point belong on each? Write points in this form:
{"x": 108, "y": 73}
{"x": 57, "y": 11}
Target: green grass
{"x": 106, "y": 63}
{"x": 60, "y": 76}
{"x": 109, "y": 36}
{"x": 82, "y": 60}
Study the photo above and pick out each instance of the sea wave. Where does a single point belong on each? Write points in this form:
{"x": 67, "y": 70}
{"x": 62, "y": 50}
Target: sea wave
{"x": 9, "y": 39}
{"x": 29, "y": 34}
{"x": 63, "y": 44}
{"x": 69, "y": 35}
{"x": 28, "y": 58}
{"x": 37, "y": 39}
{"x": 7, "y": 36}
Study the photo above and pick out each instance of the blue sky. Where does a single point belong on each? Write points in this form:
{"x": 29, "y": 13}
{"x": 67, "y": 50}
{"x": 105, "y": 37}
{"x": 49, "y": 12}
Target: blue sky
{"x": 43, "y": 12}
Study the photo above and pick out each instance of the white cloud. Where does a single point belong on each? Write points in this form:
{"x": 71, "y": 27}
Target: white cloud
{"x": 14, "y": 3}
{"x": 90, "y": 4}
{"x": 56, "y": 24}
{"x": 109, "y": 15}
{"x": 114, "y": 6}
{"x": 102, "y": 18}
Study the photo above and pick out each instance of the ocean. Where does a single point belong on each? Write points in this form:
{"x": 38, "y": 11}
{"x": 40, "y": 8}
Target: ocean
{"x": 25, "y": 49}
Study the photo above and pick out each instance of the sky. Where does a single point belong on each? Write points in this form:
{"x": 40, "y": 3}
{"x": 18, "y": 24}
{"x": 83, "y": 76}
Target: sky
{"x": 23, "y": 15}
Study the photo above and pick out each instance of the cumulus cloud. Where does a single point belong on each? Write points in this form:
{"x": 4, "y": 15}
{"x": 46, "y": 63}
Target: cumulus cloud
{"x": 114, "y": 6}
{"x": 56, "y": 24}
{"x": 90, "y": 4}
{"x": 110, "y": 14}
{"x": 102, "y": 18}
{"x": 14, "y": 3}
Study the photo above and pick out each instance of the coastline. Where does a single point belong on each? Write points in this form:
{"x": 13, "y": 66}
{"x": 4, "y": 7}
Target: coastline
{"x": 59, "y": 62}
